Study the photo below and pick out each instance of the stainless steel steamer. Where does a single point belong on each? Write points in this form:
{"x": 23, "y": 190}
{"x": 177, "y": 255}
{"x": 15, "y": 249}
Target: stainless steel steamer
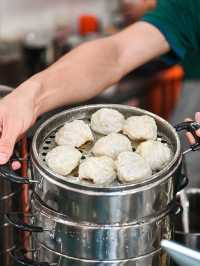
{"x": 100, "y": 242}
{"x": 9, "y": 237}
{"x": 124, "y": 203}
{"x": 43, "y": 255}
{"x": 130, "y": 219}
{"x": 121, "y": 204}
{"x": 114, "y": 244}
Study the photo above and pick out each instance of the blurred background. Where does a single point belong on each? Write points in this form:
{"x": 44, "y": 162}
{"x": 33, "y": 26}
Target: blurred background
{"x": 34, "y": 34}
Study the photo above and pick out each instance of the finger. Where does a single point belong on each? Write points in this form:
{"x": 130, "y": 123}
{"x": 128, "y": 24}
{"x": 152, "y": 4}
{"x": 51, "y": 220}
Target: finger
{"x": 8, "y": 139}
{"x": 197, "y": 118}
{"x": 189, "y": 136}
{"x": 188, "y": 119}
{"x": 16, "y": 165}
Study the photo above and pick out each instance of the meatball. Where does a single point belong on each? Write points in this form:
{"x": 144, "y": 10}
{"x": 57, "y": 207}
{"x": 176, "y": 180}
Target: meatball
{"x": 75, "y": 134}
{"x": 112, "y": 145}
{"x": 156, "y": 153}
{"x": 106, "y": 121}
{"x": 132, "y": 167}
{"x": 140, "y": 128}
{"x": 63, "y": 159}
{"x": 98, "y": 170}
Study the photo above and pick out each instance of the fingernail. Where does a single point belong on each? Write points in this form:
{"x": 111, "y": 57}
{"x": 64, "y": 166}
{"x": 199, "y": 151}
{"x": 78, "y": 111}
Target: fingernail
{"x": 197, "y": 116}
{"x": 16, "y": 165}
{"x": 3, "y": 158}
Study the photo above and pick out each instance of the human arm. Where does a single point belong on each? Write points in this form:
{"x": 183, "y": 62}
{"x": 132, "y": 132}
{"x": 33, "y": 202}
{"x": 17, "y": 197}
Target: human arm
{"x": 92, "y": 67}
{"x": 78, "y": 76}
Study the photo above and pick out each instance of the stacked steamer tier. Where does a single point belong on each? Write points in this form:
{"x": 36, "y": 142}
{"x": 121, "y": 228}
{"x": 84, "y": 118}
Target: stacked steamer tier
{"x": 121, "y": 224}
{"x": 10, "y": 201}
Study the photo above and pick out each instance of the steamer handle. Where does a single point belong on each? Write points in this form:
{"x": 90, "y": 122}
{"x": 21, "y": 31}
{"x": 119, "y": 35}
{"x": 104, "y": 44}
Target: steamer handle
{"x": 8, "y": 174}
{"x": 21, "y": 225}
{"x": 22, "y": 260}
{"x": 192, "y": 127}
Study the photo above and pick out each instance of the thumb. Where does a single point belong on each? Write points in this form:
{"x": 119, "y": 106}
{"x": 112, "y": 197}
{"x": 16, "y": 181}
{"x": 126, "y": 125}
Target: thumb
{"x": 189, "y": 135}
{"x": 7, "y": 141}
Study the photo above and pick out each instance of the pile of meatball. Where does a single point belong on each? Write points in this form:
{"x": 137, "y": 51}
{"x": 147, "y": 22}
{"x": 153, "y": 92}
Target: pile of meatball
{"x": 127, "y": 151}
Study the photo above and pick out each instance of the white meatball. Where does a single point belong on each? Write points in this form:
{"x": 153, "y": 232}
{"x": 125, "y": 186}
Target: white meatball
{"x": 112, "y": 145}
{"x": 63, "y": 159}
{"x": 132, "y": 167}
{"x": 75, "y": 134}
{"x": 106, "y": 121}
{"x": 140, "y": 128}
{"x": 157, "y": 154}
{"x": 99, "y": 170}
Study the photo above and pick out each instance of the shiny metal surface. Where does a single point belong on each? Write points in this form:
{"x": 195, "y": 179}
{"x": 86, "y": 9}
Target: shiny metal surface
{"x": 9, "y": 236}
{"x": 11, "y": 202}
{"x": 111, "y": 207}
{"x": 115, "y": 204}
{"x": 157, "y": 258}
{"x": 6, "y": 259}
{"x": 182, "y": 255}
{"x": 7, "y": 189}
{"x": 101, "y": 242}
{"x": 190, "y": 239}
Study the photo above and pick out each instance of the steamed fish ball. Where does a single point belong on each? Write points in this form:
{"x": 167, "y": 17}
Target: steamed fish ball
{"x": 75, "y": 134}
{"x": 132, "y": 167}
{"x": 106, "y": 121}
{"x": 99, "y": 170}
{"x": 112, "y": 145}
{"x": 140, "y": 128}
{"x": 63, "y": 159}
{"x": 156, "y": 153}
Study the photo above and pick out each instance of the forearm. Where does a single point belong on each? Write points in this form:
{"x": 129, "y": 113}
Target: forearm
{"x": 92, "y": 67}
{"x": 79, "y": 75}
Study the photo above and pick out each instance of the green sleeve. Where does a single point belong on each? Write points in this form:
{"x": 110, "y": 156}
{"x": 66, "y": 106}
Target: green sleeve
{"x": 178, "y": 21}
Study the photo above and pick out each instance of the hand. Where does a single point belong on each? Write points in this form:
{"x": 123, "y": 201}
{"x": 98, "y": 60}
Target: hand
{"x": 190, "y": 137}
{"x": 17, "y": 114}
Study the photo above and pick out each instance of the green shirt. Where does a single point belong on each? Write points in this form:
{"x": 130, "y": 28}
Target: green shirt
{"x": 179, "y": 22}
{"x": 191, "y": 65}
